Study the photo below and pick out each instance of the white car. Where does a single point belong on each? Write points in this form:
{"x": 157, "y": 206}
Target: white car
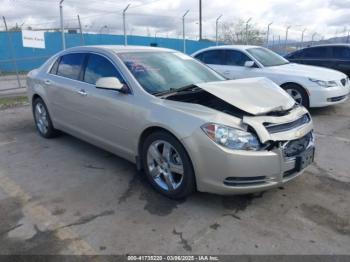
{"x": 310, "y": 86}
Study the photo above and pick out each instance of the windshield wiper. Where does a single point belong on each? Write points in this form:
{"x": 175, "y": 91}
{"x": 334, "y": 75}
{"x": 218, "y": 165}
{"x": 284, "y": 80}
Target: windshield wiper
{"x": 176, "y": 90}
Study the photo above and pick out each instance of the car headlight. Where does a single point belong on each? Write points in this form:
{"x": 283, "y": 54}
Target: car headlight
{"x": 324, "y": 83}
{"x": 231, "y": 137}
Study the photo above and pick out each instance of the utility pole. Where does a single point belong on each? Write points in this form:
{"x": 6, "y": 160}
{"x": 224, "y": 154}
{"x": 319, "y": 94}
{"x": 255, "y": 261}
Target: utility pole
{"x": 285, "y": 41}
{"x": 216, "y": 29}
{"x": 124, "y": 25}
{"x": 302, "y": 38}
{"x": 81, "y": 31}
{"x": 273, "y": 41}
{"x": 200, "y": 20}
{"x": 246, "y": 30}
{"x": 9, "y": 36}
{"x": 183, "y": 30}
{"x": 267, "y": 34}
{"x": 62, "y": 27}
{"x": 347, "y": 38}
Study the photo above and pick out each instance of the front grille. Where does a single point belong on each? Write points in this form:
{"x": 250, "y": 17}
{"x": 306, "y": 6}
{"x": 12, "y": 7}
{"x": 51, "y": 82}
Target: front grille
{"x": 336, "y": 99}
{"x": 295, "y": 147}
{"x": 343, "y": 81}
{"x": 276, "y": 128}
{"x": 245, "y": 181}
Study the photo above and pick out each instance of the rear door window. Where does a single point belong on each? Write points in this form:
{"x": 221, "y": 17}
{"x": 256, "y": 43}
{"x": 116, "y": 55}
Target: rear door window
{"x": 55, "y": 66}
{"x": 70, "y": 65}
{"x": 98, "y": 66}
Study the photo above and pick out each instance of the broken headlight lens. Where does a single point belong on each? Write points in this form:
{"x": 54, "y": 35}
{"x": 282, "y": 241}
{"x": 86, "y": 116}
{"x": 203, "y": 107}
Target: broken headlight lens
{"x": 324, "y": 83}
{"x": 231, "y": 137}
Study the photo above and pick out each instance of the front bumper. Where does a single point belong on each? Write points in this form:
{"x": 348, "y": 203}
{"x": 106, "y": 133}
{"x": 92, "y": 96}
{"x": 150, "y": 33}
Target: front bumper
{"x": 224, "y": 171}
{"x": 320, "y": 96}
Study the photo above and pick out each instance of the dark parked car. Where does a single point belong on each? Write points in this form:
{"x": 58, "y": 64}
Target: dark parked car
{"x": 331, "y": 56}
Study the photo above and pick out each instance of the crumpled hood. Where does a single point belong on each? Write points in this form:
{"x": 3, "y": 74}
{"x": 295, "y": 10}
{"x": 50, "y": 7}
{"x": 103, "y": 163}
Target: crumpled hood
{"x": 315, "y": 72}
{"x": 253, "y": 95}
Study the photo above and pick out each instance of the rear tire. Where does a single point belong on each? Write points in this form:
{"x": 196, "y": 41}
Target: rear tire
{"x": 42, "y": 119}
{"x": 167, "y": 165}
{"x": 297, "y": 93}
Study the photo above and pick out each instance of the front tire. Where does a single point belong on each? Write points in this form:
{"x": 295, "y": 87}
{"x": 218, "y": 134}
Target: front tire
{"x": 297, "y": 93}
{"x": 167, "y": 165}
{"x": 42, "y": 119}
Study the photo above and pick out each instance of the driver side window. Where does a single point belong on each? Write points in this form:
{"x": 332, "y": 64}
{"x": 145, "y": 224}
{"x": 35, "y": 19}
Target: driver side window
{"x": 236, "y": 58}
{"x": 98, "y": 66}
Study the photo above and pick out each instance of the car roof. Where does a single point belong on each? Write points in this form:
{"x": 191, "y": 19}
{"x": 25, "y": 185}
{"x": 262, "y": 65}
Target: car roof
{"x": 233, "y": 47}
{"x": 328, "y": 45}
{"x": 119, "y": 48}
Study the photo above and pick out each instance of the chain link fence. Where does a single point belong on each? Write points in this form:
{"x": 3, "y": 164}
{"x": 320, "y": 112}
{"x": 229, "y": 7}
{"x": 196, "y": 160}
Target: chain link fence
{"x": 174, "y": 32}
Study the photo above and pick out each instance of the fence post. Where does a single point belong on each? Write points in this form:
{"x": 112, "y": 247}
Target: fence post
{"x": 267, "y": 34}
{"x": 124, "y": 25}
{"x": 81, "y": 32}
{"x": 216, "y": 30}
{"x": 302, "y": 38}
{"x": 62, "y": 26}
{"x": 285, "y": 41}
{"x": 9, "y": 37}
{"x": 183, "y": 31}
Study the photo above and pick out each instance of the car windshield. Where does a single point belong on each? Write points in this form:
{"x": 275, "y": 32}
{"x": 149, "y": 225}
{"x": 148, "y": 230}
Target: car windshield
{"x": 267, "y": 57}
{"x": 159, "y": 72}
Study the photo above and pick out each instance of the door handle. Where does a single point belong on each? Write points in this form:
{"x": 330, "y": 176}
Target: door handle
{"x": 226, "y": 72}
{"x": 82, "y": 92}
{"x": 47, "y": 82}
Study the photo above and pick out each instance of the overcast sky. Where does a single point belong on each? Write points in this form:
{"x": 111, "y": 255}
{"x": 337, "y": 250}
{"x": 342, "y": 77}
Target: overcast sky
{"x": 163, "y": 17}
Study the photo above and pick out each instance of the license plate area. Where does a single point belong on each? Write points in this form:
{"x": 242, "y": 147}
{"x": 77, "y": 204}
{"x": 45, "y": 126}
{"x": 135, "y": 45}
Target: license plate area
{"x": 305, "y": 159}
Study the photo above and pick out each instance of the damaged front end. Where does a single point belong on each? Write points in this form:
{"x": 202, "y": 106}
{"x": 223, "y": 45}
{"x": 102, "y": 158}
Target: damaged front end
{"x": 284, "y": 130}
{"x": 290, "y": 136}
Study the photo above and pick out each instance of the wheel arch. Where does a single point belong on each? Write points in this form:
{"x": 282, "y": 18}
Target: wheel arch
{"x": 36, "y": 96}
{"x": 297, "y": 84}
{"x": 146, "y": 132}
{"x": 151, "y": 129}
{"x": 300, "y": 86}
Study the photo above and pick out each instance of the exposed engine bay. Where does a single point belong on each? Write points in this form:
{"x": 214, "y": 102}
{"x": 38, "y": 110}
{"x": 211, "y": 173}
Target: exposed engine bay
{"x": 272, "y": 127}
{"x": 202, "y": 97}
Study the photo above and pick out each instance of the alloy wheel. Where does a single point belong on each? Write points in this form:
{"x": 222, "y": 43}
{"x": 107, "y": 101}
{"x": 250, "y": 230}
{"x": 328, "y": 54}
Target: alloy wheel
{"x": 165, "y": 165}
{"x": 41, "y": 118}
{"x": 296, "y": 95}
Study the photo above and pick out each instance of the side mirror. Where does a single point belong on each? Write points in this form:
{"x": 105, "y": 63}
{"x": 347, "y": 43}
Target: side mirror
{"x": 249, "y": 64}
{"x": 111, "y": 83}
